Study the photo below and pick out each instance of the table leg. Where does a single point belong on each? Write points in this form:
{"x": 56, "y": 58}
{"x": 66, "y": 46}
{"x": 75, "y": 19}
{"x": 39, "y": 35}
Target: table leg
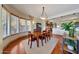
{"x": 37, "y": 43}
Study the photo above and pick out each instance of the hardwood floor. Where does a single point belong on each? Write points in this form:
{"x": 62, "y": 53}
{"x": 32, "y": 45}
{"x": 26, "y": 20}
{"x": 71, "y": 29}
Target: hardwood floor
{"x": 58, "y": 48}
{"x": 17, "y": 47}
{"x": 8, "y": 49}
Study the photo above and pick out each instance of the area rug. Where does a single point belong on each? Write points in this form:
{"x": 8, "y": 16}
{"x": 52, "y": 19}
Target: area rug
{"x": 46, "y": 49}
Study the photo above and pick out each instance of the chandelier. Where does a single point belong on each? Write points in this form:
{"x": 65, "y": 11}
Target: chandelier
{"x": 43, "y": 15}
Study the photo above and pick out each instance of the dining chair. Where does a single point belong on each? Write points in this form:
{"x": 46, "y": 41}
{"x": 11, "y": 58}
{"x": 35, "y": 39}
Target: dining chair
{"x": 42, "y": 37}
{"x": 33, "y": 39}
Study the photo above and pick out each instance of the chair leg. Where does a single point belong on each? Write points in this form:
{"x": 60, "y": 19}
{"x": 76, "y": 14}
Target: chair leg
{"x": 31, "y": 45}
{"x": 37, "y": 43}
{"x": 49, "y": 37}
{"x": 42, "y": 42}
{"x": 45, "y": 40}
{"x": 28, "y": 42}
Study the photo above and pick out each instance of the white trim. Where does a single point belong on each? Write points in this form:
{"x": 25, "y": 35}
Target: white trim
{"x": 65, "y": 13}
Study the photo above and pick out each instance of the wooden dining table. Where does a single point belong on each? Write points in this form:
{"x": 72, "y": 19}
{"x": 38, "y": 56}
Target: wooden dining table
{"x": 36, "y": 36}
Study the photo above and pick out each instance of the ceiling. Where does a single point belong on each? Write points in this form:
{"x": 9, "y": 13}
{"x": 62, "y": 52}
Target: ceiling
{"x": 52, "y": 10}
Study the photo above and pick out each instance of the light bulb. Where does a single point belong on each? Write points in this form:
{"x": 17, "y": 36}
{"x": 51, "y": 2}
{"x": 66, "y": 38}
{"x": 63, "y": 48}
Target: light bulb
{"x": 42, "y": 17}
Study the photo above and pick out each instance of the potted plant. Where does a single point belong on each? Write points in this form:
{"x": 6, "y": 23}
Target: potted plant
{"x": 69, "y": 26}
{"x": 71, "y": 44}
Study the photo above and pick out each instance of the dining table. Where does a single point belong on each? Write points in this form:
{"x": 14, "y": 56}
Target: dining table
{"x": 36, "y": 36}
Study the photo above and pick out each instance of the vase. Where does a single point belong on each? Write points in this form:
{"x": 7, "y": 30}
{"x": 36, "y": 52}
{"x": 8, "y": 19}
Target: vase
{"x": 70, "y": 47}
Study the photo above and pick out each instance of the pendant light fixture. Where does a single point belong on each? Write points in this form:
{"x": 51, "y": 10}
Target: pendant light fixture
{"x": 43, "y": 15}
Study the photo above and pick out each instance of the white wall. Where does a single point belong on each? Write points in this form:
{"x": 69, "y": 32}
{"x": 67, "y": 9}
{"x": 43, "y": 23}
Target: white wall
{"x": 0, "y": 31}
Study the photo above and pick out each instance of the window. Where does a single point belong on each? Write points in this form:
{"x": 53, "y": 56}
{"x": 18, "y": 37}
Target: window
{"x": 28, "y": 25}
{"x": 13, "y": 24}
{"x": 4, "y": 22}
{"x": 8, "y": 23}
{"x": 22, "y": 25}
